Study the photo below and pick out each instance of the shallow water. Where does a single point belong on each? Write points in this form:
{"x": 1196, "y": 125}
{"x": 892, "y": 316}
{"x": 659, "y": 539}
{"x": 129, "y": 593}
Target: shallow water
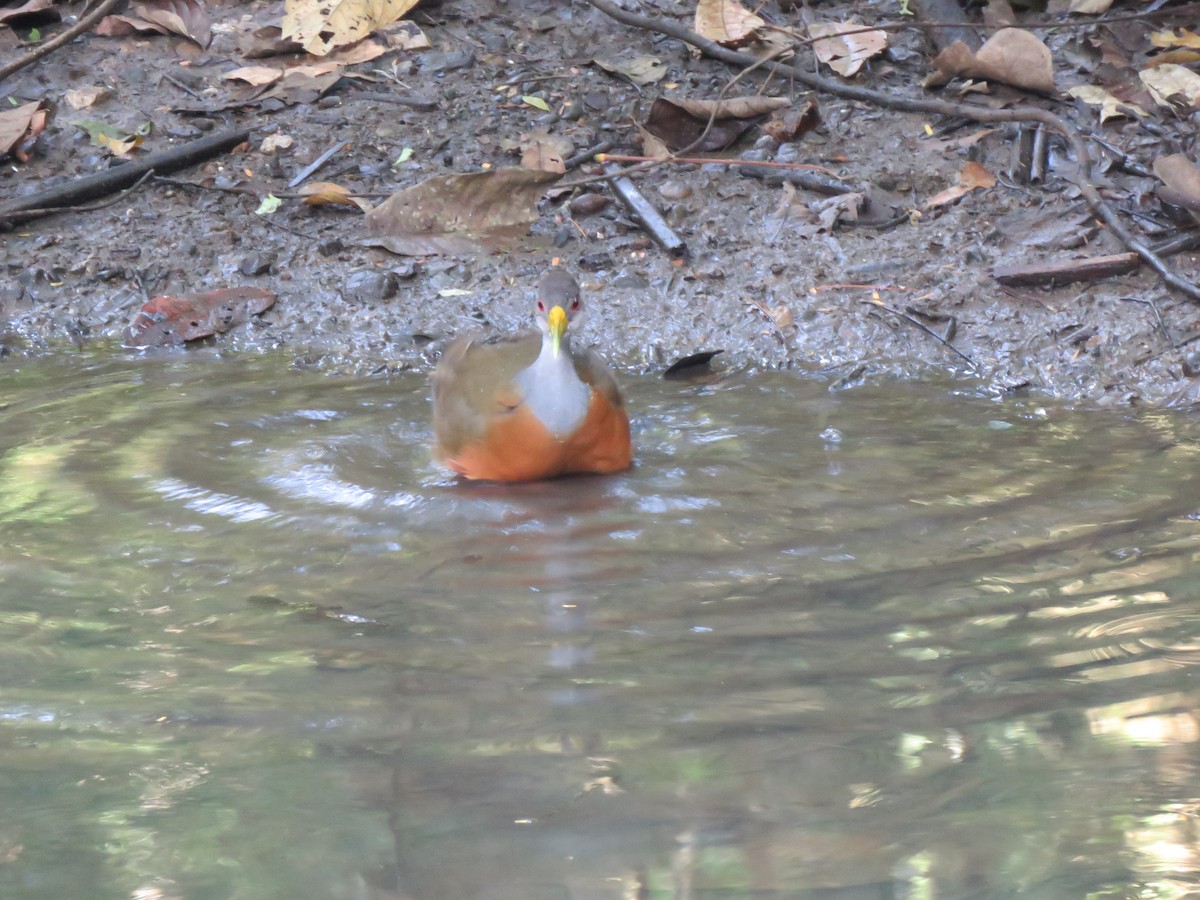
{"x": 898, "y": 641}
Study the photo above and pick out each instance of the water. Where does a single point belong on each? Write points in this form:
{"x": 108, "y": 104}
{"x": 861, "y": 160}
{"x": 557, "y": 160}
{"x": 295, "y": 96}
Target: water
{"x": 892, "y": 642}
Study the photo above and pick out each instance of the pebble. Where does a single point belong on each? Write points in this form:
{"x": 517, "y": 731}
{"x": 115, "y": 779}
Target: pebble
{"x": 369, "y": 286}
{"x": 256, "y": 264}
{"x": 589, "y": 204}
{"x": 674, "y": 190}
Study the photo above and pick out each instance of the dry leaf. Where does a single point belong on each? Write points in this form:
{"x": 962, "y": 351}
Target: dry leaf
{"x": 255, "y": 75}
{"x": 1109, "y": 105}
{"x": 972, "y": 176}
{"x": 173, "y": 320}
{"x": 458, "y": 214}
{"x": 302, "y": 84}
{"x": 20, "y": 126}
{"x": 726, "y": 22}
{"x": 1089, "y": 7}
{"x": 85, "y": 97}
{"x": 265, "y": 41}
{"x": 641, "y": 70}
{"x": 326, "y": 193}
{"x": 546, "y": 152}
{"x": 1181, "y": 180}
{"x": 1169, "y": 81}
{"x": 679, "y": 123}
{"x": 1011, "y": 56}
{"x": 786, "y": 125}
{"x": 363, "y": 51}
{"x": 845, "y": 53}
{"x": 1188, "y": 40}
{"x": 187, "y": 18}
{"x": 651, "y": 145}
{"x": 320, "y": 26}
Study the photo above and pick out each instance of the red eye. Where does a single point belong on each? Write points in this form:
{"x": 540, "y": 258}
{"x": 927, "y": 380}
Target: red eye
{"x": 575, "y": 303}
{"x": 541, "y": 306}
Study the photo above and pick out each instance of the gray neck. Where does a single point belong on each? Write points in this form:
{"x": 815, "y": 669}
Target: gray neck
{"x": 553, "y": 390}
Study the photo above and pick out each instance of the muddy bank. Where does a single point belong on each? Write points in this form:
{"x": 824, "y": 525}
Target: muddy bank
{"x": 763, "y": 280}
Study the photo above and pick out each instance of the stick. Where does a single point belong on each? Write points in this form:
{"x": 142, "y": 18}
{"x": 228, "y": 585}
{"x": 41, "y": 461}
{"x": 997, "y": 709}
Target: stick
{"x": 318, "y": 162}
{"x": 643, "y": 210}
{"x": 101, "y": 184}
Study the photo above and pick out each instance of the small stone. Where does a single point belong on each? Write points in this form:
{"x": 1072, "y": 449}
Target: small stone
{"x": 331, "y": 247}
{"x": 674, "y": 190}
{"x": 589, "y": 204}
{"x": 369, "y": 286}
{"x": 255, "y": 264}
{"x": 631, "y": 281}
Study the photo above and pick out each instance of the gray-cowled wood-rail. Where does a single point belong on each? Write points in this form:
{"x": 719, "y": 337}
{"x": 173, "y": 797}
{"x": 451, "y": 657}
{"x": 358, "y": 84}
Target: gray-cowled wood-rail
{"x": 530, "y": 405}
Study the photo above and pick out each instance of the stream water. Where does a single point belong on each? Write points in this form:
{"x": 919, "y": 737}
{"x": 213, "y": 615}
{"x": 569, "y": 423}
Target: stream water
{"x": 900, "y": 641}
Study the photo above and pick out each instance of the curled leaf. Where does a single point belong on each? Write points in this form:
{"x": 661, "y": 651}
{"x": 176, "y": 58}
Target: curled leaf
{"x": 680, "y": 123}
{"x": 971, "y": 177}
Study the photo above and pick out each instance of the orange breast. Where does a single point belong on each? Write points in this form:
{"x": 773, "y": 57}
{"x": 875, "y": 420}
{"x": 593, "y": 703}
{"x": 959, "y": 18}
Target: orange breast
{"x": 518, "y": 447}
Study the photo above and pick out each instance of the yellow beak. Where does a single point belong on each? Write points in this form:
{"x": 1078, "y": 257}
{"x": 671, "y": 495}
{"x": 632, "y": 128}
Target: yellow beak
{"x": 558, "y": 327}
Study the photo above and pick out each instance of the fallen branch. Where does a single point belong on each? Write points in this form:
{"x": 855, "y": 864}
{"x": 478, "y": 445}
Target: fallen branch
{"x": 1070, "y": 271}
{"x": 643, "y": 210}
{"x": 930, "y": 107}
{"x": 84, "y": 24}
{"x": 101, "y": 184}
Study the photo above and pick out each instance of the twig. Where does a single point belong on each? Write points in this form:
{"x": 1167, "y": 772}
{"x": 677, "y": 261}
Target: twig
{"x": 84, "y": 24}
{"x": 932, "y": 107}
{"x": 913, "y": 320}
{"x": 104, "y": 204}
{"x": 649, "y": 217}
{"x": 101, "y": 184}
{"x": 318, "y": 162}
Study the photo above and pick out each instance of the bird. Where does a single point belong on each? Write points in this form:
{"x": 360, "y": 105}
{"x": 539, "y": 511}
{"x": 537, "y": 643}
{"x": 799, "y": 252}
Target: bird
{"x": 531, "y": 405}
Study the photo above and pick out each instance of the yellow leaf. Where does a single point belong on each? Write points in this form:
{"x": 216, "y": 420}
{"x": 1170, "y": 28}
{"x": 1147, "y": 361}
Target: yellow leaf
{"x": 320, "y": 26}
{"x": 536, "y": 103}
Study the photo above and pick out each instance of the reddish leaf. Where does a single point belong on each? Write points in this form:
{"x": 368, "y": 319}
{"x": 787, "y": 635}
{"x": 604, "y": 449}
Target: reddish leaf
{"x": 174, "y": 320}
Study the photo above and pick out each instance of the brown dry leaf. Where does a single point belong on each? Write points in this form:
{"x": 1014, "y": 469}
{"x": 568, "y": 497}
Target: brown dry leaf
{"x": 789, "y": 124}
{"x": 1089, "y": 7}
{"x": 972, "y": 176}
{"x": 83, "y": 98}
{"x": 640, "y": 69}
{"x": 187, "y": 18}
{"x": 265, "y": 41}
{"x": 363, "y": 51}
{"x": 999, "y": 14}
{"x": 259, "y": 76}
{"x": 546, "y": 152}
{"x": 326, "y": 193}
{"x": 842, "y": 208}
{"x": 31, "y": 13}
{"x": 1109, "y": 105}
{"x": 1181, "y": 180}
{"x": 679, "y": 123}
{"x": 845, "y": 53}
{"x": 1168, "y": 81}
{"x": 302, "y": 84}
{"x": 651, "y": 145}
{"x": 1011, "y": 56}
{"x": 459, "y": 214}
{"x": 174, "y": 320}
{"x": 20, "y": 126}
{"x": 320, "y": 26}
{"x": 962, "y": 143}
{"x": 726, "y": 21}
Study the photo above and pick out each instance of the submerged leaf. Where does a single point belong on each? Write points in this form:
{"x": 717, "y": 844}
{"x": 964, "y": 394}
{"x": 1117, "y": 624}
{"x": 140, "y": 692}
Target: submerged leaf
{"x": 174, "y": 320}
